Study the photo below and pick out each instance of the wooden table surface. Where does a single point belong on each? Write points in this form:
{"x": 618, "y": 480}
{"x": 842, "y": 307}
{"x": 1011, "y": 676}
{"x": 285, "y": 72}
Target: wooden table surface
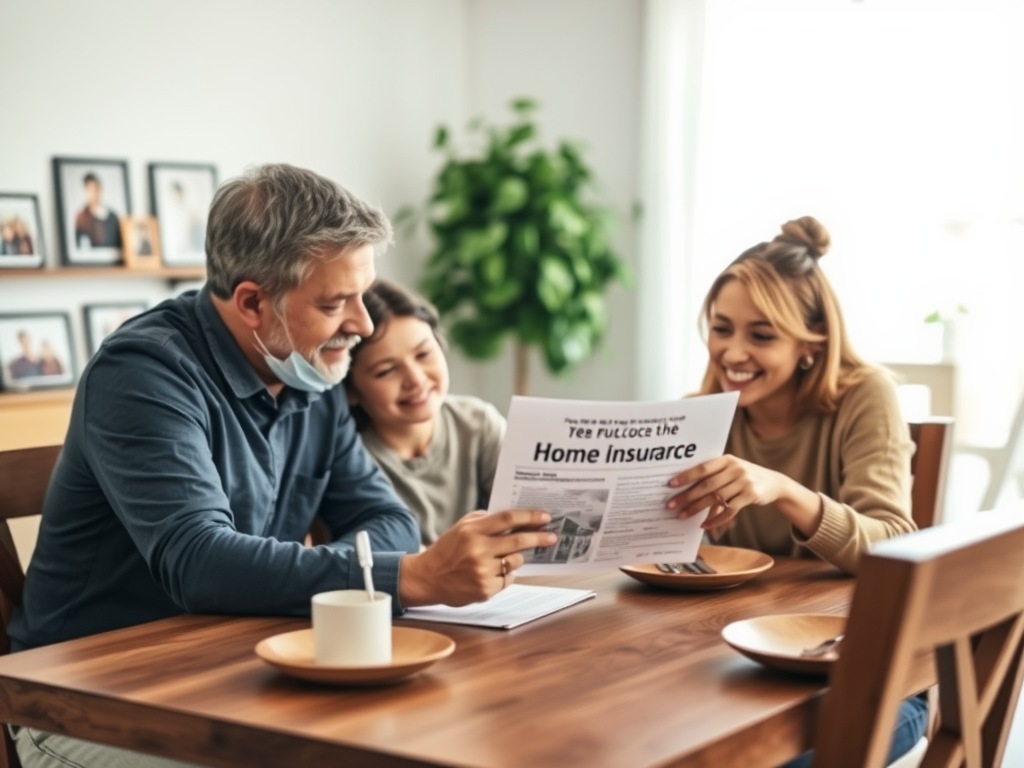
{"x": 637, "y": 677}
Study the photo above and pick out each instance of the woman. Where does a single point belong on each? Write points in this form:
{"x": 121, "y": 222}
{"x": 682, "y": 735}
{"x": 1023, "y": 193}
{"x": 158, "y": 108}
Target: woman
{"x": 818, "y": 457}
{"x": 440, "y": 451}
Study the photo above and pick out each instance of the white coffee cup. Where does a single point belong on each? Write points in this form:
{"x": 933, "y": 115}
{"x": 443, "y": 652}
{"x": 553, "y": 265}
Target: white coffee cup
{"x": 350, "y": 630}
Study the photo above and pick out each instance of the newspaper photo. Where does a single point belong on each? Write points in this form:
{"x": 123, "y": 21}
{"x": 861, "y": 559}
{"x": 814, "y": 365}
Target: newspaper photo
{"x": 601, "y": 469}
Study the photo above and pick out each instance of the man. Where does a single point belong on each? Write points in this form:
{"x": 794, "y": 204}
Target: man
{"x": 96, "y": 226}
{"x": 208, "y": 432}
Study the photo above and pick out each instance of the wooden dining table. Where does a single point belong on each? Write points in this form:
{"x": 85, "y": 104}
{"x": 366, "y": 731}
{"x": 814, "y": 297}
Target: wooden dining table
{"x": 636, "y": 677}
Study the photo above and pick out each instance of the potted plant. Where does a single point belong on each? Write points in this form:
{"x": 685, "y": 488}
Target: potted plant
{"x": 946, "y": 319}
{"x": 520, "y": 249}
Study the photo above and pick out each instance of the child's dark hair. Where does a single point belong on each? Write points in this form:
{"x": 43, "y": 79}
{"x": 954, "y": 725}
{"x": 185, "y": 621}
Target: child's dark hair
{"x": 384, "y": 300}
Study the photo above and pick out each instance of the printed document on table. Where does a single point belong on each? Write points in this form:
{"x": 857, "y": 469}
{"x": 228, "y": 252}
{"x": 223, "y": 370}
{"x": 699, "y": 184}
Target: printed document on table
{"x": 602, "y": 470}
{"x": 514, "y": 606}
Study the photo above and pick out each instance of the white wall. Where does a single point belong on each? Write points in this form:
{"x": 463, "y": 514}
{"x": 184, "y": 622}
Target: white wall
{"x": 581, "y": 59}
{"x": 350, "y": 89}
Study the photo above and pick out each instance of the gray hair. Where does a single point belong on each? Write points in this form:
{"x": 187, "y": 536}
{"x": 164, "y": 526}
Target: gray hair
{"x": 272, "y": 223}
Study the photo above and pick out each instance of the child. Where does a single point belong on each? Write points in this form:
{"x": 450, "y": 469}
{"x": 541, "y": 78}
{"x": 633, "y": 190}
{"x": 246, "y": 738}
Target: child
{"x": 440, "y": 451}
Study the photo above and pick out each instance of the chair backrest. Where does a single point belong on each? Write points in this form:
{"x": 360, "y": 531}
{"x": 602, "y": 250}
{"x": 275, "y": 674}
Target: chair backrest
{"x": 319, "y": 533}
{"x": 24, "y": 477}
{"x": 929, "y": 467}
{"x": 955, "y": 589}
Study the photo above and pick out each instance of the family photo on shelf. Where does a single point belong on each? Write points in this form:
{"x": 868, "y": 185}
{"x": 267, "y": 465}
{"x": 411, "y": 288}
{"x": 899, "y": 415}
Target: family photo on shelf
{"x": 21, "y": 244}
{"x": 36, "y": 351}
{"x": 95, "y": 227}
{"x": 37, "y": 348}
{"x": 95, "y": 223}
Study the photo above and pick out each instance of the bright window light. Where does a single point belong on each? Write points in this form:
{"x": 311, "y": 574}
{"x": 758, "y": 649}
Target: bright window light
{"x": 899, "y": 125}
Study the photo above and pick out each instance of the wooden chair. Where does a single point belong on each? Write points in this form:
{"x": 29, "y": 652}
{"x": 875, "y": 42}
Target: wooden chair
{"x": 318, "y": 533}
{"x": 955, "y": 589}
{"x": 930, "y": 466}
{"x": 24, "y": 477}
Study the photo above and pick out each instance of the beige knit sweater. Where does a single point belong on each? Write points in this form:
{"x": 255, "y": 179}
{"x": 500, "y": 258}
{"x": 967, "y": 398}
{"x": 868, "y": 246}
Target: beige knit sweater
{"x": 857, "y": 459}
{"x": 455, "y": 475}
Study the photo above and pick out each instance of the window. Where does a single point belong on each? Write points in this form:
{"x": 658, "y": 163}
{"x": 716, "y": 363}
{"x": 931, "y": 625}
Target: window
{"x": 898, "y": 124}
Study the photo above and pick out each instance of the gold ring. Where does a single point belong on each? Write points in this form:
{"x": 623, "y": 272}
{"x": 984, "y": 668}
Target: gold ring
{"x": 504, "y": 568}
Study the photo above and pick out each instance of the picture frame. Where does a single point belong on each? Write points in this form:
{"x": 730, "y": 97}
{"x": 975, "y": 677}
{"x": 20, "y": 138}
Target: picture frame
{"x": 37, "y": 351}
{"x": 180, "y": 195}
{"x": 141, "y": 241}
{"x": 21, "y": 232}
{"x": 92, "y": 196}
{"x": 101, "y": 320}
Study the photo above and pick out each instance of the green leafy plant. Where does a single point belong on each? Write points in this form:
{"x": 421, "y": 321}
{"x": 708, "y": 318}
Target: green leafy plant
{"x": 946, "y": 315}
{"x": 520, "y": 250}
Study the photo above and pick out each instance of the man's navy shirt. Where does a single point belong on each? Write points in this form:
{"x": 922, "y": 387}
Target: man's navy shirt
{"x": 184, "y": 486}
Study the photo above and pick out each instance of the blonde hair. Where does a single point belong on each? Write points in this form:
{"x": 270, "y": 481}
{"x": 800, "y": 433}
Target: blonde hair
{"x": 788, "y": 287}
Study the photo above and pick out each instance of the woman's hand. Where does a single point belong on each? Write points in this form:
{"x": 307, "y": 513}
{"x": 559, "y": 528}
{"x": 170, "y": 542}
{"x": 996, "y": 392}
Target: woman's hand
{"x": 725, "y": 484}
{"x": 728, "y": 484}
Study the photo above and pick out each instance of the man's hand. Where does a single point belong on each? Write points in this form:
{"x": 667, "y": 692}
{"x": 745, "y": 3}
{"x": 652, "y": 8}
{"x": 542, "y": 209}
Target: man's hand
{"x": 474, "y": 560}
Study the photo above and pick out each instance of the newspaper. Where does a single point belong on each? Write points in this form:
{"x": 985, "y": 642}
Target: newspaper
{"x": 601, "y": 469}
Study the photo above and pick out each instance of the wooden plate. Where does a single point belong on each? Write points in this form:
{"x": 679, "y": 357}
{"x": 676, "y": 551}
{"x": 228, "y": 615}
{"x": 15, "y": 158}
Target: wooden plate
{"x": 734, "y": 566}
{"x": 780, "y": 640}
{"x": 411, "y": 651}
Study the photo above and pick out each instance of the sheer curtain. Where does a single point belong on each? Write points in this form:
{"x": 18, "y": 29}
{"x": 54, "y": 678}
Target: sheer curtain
{"x": 666, "y": 337}
{"x": 898, "y": 124}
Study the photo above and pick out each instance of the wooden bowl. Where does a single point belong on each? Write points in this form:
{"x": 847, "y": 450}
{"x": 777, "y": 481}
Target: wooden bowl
{"x": 779, "y": 641}
{"x": 411, "y": 651}
{"x": 734, "y": 566}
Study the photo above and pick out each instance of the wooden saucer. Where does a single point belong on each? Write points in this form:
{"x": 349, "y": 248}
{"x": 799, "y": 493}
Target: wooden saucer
{"x": 412, "y": 650}
{"x": 779, "y": 640}
{"x": 734, "y": 566}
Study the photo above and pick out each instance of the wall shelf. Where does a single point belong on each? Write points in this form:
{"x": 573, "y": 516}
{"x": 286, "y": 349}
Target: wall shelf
{"x": 37, "y": 396}
{"x": 171, "y": 274}
{"x": 37, "y": 417}
{"x": 41, "y": 416}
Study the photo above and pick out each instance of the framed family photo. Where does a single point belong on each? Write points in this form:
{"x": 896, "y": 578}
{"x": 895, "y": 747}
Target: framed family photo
{"x": 141, "y": 242}
{"x": 101, "y": 320}
{"x": 36, "y": 351}
{"x": 92, "y": 196}
{"x": 21, "y": 246}
{"x": 180, "y": 197}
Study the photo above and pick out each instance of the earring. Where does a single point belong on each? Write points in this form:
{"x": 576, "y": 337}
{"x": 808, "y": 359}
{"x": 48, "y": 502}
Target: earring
{"x": 806, "y": 362}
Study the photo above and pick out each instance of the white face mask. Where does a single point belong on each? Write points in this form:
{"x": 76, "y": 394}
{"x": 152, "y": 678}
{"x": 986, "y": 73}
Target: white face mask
{"x": 295, "y": 371}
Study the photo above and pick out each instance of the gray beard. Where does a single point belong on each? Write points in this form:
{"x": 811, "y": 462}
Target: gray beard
{"x": 333, "y": 373}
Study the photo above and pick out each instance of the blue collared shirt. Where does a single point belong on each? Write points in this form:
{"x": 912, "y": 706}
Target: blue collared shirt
{"x": 184, "y": 486}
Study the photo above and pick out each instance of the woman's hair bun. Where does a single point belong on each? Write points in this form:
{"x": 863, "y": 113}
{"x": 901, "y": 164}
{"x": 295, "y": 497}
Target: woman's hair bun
{"x": 806, "y": 231}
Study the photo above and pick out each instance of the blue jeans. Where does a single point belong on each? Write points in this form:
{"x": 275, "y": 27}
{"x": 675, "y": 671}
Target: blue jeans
{"x": 911, "y": 722}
